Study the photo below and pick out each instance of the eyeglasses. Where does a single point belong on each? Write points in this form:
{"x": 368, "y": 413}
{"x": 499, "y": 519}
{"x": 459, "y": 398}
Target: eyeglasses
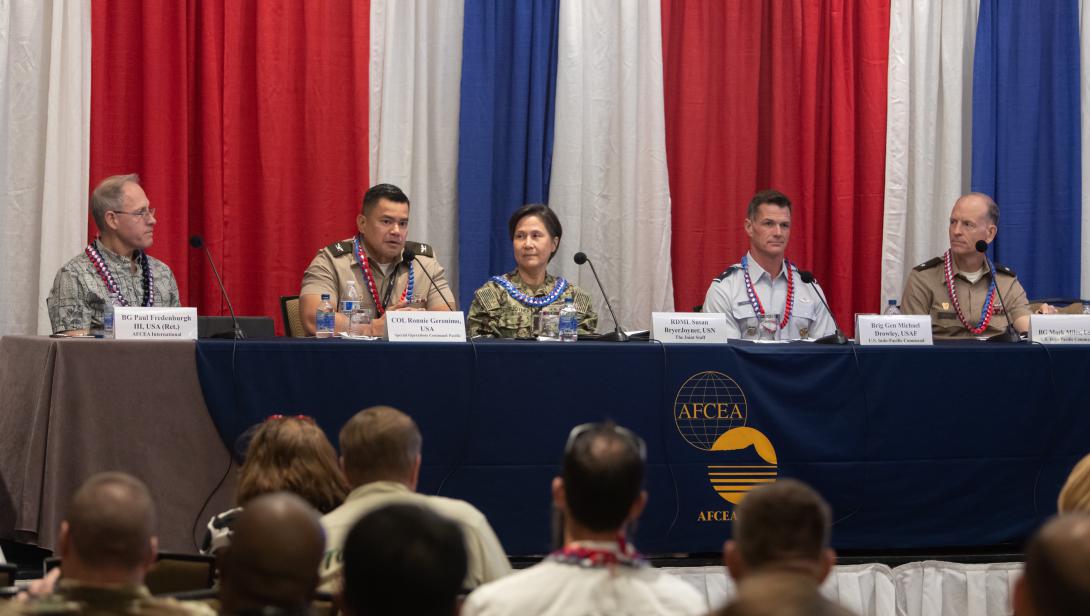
{"x": 145, "y": 213}
{"x": 302, "y": 417}
{"x": 630, "y": 436}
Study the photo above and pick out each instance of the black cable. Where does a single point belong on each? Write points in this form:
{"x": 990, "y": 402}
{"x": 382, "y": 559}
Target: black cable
{"x": 468, "y": 421}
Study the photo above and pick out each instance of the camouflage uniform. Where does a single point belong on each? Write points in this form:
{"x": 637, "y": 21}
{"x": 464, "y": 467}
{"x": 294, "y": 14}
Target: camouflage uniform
{"x": 79, "y": 294}
{"x": 926, "y": 293}
{"x": 71, "y": 597}
{"x": 495, "y": 313}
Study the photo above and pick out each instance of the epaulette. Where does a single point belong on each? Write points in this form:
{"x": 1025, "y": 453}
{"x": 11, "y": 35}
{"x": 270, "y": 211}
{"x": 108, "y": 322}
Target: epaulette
{"x": 926, "y": 265}
{"x": 1003, "y": 269}
{"x": 420, "y": 249}
{"x": 340, "y": 248}
{"x": 726, "y": 274}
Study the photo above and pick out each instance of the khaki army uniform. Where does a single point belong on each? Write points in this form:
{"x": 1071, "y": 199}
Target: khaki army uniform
{"x": 336, "y": 264}
{"x": 79, "y": 295}
{"x": 71, "y": 597}
{"x": 495, "y": 313}
{"x": 926, "y": 293}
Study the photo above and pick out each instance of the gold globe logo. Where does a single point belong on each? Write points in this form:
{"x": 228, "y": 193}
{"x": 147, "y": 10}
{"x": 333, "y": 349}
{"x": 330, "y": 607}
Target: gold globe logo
{"x": 710, "y": 412}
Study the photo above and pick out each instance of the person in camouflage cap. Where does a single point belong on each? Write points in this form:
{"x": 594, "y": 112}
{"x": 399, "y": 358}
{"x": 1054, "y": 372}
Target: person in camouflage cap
{"x": 116, "y": 261}
{"x": 506, "y": 306}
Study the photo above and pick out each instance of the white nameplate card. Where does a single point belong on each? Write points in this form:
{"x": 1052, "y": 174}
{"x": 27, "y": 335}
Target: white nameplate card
{"x": 139, "y": 323}
{"x": 893, "y": 330}
{"x": 421, "y": 326}
{"x": 1060, "y": 328}
{"x": 689, "y": 327}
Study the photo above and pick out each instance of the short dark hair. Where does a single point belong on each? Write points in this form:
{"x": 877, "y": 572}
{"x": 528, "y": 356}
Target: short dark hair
{"x": 382, "y": 191}
{"x": 379, "y": 443}
{"x": 1058, "y": 566}
{"x": 774, "y": 197}
{"x": 603, "y": 471}
{"x": 785, "y": 520}
{"x": 544, "y": 213}
{"x": 404, "y": 559}
{"x": 111, "y": 521}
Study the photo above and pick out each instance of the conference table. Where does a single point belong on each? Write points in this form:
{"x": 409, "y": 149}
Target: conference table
{"x": 960, "y": 444}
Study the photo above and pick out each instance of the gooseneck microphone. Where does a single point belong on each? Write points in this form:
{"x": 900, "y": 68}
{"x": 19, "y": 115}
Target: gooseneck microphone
{"x": 618, "y": 334}
{"x": 1010, "y": 334}
{"x": 197, "y": 241}
{"x": 835, "y": 338}
{"x": 407, "y": 257}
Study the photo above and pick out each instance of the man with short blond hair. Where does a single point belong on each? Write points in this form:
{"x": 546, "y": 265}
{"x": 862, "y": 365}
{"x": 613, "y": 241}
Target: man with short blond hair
{"x": 116, "y": 262}
{"x": 380, "y": 454}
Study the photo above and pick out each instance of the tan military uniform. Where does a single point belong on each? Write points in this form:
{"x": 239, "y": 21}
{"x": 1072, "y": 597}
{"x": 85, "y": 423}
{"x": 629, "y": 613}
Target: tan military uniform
{"x": 926, "y": 293}
{"x": 495, "y": 313}
{"x": 335, "y": 265}
{"x": 78, "y": 296}
{"x": 71, "y": 597}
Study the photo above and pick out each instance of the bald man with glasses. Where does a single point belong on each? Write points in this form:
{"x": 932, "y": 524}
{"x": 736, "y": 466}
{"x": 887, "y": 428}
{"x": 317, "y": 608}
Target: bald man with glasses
{"x": 115, "y": 262}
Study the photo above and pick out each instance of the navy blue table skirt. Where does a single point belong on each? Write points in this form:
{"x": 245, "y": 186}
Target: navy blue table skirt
{"x": 954, "y": 445}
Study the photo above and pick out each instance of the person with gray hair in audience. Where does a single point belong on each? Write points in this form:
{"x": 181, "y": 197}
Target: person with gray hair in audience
{"x": 107, "y": 545}
{"x": 1056, "y": 580}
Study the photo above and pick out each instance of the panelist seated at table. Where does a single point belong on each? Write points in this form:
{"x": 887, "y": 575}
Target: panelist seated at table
{"x": 958, "y": 289}
{"x": 115, "y": 262}
{"x": 765, "y": 283}
{"x": 507, "y": 306}
{"x": 374, "y": 259}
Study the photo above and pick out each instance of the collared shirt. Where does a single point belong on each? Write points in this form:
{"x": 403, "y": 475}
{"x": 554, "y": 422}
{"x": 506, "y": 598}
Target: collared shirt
{"x": 926, "y": 293}
{"x": 495, "y": 313}
{"x": 727, "y": 294}
{"x": 487, "y": 560}
{"x": 336, "y": 264}
{"x": 72, "y": 597}
{"x": 79, "y": 295}
{"x": 558, "y": 588}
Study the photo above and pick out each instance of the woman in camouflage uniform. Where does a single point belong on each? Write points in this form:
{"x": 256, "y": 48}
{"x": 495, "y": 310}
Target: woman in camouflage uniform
{"x": 506, "y": 306}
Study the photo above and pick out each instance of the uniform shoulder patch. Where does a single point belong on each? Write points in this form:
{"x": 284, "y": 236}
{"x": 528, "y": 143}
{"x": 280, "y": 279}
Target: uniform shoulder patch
{"x": 340, "y": 248}
{"x": 926, "y": 265}
{"x": 727, "y": 273}
{"x": 1003, "y": 269}
{"x": 420, "y": 249}
{"x": 489, "y": 296}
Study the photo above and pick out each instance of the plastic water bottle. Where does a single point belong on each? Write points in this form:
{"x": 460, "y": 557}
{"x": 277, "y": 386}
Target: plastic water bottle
{"x": 1086, "y": 307}
{"x": 326, "y": 318}
{"x": 891, "y": 308}
{"x": 108, "y": 315}
{"x": 569, "y": 321}
{"x": 350, "y": 300}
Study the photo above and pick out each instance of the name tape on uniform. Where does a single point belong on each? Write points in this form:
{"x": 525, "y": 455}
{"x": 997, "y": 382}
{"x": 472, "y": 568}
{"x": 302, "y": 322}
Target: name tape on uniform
{"x": 139, "y": 323}
{"x": 689, "y": 327}
{"x": 1060, "y": 328}
{"x": 893, "y": 330}
{"x": 421, "y": 326}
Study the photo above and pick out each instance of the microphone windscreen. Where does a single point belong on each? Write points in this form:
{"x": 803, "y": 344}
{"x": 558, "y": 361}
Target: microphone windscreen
{"x": 806, "y": 277}
{"x": 981, "y": 246}
{"x": 407, "y": 256}
{"x": 580, "y": 258}
{"x": 196, "y": 241}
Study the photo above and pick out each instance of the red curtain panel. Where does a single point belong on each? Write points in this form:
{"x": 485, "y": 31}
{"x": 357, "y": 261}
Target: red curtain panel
{"x": 785, "y": 94}
{"x": 248, "y": 123}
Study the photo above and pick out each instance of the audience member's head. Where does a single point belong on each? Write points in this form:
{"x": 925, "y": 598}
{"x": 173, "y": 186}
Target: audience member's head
{"x": 273, "y": 558}
{"x": 403, "y": 559}
{"x": 599, "y": 489}
{"x": 782, "y": 526}
{"x": 108, "y": 533}
{"x": 292, "y": 454}
{"x": 381, "y": 444}
{"x": 1075, "y": 495}
{"x": 780, "y": 594}
{"x": 1056, "y": 581}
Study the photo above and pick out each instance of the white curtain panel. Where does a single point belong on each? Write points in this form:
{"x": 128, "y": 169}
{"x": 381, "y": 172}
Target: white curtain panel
{"x": 928, "y": 130}
{"x": 933, "y": 588}
{"x": 45, "y": 99}
{"x": 1084, "y": 104}
{"x": 609, "y": 183}
{"x": 415, "y": 76}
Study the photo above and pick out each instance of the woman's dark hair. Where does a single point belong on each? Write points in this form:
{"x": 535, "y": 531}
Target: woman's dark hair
{"x": 544, "y": 213}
